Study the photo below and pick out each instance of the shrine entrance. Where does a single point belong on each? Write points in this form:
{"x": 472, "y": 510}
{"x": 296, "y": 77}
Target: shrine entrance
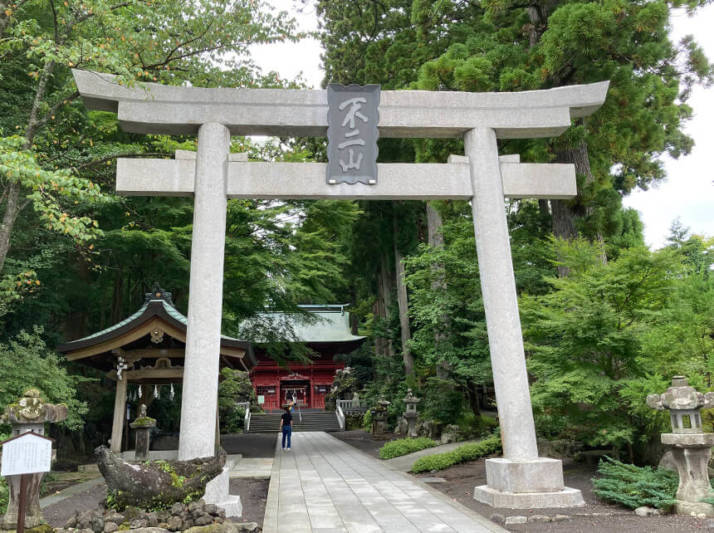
{"x": 295, "y": 390}
{"x": 351, "y": 120}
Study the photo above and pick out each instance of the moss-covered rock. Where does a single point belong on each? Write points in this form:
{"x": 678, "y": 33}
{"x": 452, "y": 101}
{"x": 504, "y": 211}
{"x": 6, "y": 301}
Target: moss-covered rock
{"x": 155, "y": 484}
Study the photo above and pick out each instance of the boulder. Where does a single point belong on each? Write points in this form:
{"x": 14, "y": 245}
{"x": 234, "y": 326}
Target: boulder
{"x": 156, "y": 482}
{"x": 451, "y": 433}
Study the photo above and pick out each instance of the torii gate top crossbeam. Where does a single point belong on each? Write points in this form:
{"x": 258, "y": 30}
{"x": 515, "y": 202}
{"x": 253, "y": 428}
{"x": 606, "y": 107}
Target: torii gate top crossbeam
{"x": 164, "y": 109}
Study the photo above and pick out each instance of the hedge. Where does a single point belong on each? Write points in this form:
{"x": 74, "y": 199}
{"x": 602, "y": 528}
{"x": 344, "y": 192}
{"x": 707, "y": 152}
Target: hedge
{"x": 399, "y": 447}
{"x": 467, "y": 452}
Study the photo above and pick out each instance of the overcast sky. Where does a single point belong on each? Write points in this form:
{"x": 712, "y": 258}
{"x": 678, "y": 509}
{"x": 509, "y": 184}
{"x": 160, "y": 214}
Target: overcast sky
{"x": 688, "y": 192}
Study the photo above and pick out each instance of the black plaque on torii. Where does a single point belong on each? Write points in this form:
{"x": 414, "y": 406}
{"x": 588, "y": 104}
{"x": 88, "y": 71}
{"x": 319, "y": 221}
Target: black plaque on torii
{"x": 352, "y": 118}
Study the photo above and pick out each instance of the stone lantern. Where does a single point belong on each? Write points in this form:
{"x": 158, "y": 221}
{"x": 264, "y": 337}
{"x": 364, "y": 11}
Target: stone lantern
{"x": 29, "y": 414}
{"x": 142, "y": 427}
{"x": 410, "y": 413}
{"x": 379, "y": 417}
{"x": 691, "y": 447}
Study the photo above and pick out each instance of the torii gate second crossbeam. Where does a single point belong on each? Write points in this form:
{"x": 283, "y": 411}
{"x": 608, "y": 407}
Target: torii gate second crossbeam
{"x": 520, "y": 479}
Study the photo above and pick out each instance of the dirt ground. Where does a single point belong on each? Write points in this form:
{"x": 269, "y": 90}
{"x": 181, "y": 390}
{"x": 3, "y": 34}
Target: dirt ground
{"x": 363, "y": 441}
{"x": 595, "y": 516}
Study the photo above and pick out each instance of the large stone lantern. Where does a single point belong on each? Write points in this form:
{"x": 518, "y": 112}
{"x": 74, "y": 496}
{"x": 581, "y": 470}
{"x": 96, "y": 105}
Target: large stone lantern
{"x": 379, "y": 417}
{"x": 29, "y": 414}
{"x": 410, "y": 413}
{"x": 691, "y": 447}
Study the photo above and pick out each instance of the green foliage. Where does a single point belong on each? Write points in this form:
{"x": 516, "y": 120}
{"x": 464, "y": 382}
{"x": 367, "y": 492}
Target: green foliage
{"x": 466, "y": 452}
{"x": 367, "y": 420}
{"x": 55, "y": 161}
{"x": 50, "y": 191}
{"x": 399, "y": 447}
{"x": 609, "y": 334}
{"x": 25, "y": 362}
{"x": 4, "y": 495}
{"x": 634, "y": 486}
{"x": 234, "y": 387}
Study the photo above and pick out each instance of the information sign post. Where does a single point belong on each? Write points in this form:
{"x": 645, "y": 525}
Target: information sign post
{"x": 24, "y": 455}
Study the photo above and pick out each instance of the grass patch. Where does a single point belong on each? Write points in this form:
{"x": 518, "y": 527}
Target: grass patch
{"x": 467, "y": 452}
{"x": 399, "y": 447}
{"x": 635, "y": 486}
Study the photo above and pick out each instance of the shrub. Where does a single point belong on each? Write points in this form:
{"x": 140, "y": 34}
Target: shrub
{"x": 367, "y": 420}
{"x": 635, "y": 486}
{"x": 4, "y": 496}
{"x": 467, "y": 452}
{"x": 400, "y": 447}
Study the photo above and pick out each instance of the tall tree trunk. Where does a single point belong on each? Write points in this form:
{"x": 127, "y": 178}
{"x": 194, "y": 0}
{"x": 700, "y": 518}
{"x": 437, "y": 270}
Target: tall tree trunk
{"x": 472, "y": 394}
{"x": 383, "y": 304}
{"x": 12, "y": 209}
{"x": 13, "y": 205}
{"x": 565, "y": 212}
{"x": 403, "y": 304}
{"x": 436, "y": 240}
{"x": 117, "y": 298}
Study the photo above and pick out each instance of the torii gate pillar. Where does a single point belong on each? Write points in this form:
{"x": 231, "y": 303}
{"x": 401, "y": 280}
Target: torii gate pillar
{"x": 520, "y": 479}
{"x": 205, "y": 303}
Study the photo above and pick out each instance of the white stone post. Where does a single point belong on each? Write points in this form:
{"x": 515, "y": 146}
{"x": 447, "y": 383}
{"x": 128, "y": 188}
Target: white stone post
{"x": 498, "y": 287}
{"x": 119, "y": 415}
{"x": 520, "y": 478}
{"x": 203, "y": 336}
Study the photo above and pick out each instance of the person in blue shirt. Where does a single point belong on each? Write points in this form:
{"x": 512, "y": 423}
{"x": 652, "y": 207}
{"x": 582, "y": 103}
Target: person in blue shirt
{"x": 286, "y": 425}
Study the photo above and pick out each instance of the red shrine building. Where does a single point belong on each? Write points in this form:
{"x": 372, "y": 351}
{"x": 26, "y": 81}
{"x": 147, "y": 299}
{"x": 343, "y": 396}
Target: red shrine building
{"x": 327, "y": 335}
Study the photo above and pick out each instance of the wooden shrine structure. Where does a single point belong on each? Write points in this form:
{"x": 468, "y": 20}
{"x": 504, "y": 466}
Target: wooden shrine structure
{"x": 147, "y": 348}
{"x": 327, "y": 334}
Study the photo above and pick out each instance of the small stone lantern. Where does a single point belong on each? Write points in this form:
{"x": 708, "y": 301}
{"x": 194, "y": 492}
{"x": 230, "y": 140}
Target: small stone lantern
{"x": 29, "y": 414}
{"x": 691, "y": 447}
{"x": 410, "y": 403}
{"x": 379, "y": 417}
{"x": 142, "y": 426}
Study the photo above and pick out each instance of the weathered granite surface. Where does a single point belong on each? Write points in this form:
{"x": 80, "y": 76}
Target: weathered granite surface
{"x": 157, "y": 482}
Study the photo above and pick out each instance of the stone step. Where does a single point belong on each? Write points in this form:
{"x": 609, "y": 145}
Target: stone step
{"x": 311, "y": 421}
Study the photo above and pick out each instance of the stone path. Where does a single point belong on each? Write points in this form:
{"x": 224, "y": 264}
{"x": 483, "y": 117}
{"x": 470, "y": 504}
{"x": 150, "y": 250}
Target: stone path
{"x": 405, "y": 462}
{"x": 253, "y": 467}
{"x": 324, "y": 485}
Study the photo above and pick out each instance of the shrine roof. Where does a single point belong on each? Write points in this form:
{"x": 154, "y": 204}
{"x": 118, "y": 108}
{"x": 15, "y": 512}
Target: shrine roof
{"x": 159, "y": 312}
{"x": 318, "y": 324}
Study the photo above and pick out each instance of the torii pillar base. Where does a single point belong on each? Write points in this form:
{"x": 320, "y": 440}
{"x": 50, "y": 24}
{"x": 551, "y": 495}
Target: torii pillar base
{"x": 528, "y": 484}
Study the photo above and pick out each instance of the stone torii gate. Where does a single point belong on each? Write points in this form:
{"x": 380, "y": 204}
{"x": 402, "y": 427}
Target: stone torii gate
{"x": 520, "y": 479}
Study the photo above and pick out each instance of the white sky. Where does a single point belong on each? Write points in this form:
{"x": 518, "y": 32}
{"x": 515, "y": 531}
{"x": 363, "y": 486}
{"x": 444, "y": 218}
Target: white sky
{"x": 687, "y": 193}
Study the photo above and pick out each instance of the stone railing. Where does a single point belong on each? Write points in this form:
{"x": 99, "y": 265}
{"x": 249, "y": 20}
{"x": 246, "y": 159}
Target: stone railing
{"x": 346, "y": 405}
{"x": 340, "y": 416}
{"x": 246, "y": 419}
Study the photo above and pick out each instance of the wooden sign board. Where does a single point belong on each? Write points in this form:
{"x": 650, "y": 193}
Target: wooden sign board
{"x": 28, "y": 453}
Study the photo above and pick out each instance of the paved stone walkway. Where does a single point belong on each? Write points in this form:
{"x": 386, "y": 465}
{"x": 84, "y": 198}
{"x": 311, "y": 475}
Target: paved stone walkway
{"x": 326, "y": 486}
{"x": 252, "y": 467}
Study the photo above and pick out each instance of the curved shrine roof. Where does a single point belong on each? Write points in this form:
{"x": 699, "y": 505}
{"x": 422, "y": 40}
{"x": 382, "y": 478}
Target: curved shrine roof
{"x": 157, "y": 313}
{"x": 321, "y": 324}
